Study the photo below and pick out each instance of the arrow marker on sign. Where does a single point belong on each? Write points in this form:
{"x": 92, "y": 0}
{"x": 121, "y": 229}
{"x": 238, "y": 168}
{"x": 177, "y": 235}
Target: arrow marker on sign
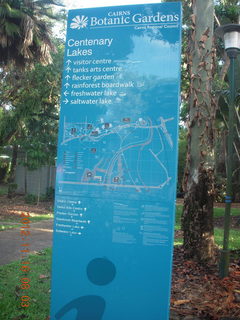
{"x": 68, "y": 62}
{"x": 66, "y": 85}
{"x": 68, "y": 69}
{"x": 67, "y": 77}
{"x": 65, "y": 101}
{"x": 66, "y": 93}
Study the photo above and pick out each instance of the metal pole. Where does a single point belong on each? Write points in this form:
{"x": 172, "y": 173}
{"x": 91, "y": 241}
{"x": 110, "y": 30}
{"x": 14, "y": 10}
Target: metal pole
{"x": 225, "y": 253}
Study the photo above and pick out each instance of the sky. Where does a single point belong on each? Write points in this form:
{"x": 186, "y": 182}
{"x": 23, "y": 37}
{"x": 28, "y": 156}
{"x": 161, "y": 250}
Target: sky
{"x": 76, "y": 4}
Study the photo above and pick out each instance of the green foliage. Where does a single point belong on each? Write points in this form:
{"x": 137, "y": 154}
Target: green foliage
{"x": 12, "y": 187}
{"x": 31, "y": 118}
{"x": 49, "y": 196}
{"x": 227, "y": 11}
{"x": 4, "y": 167}
{"x": 25, "y": 32}
{"x": 3, "y": 189}
{"x": 31, "y": 199}
{"x": 4, "y": 163}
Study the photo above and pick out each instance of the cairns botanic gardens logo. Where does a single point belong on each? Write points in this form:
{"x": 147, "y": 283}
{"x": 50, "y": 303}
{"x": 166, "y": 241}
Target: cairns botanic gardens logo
{"x": 123, "y": 18}
{"x": 79, "y": 22}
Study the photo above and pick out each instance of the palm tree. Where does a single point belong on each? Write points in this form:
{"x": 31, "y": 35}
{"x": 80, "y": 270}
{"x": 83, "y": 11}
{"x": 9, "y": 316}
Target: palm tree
{"x": 25, "y": 31}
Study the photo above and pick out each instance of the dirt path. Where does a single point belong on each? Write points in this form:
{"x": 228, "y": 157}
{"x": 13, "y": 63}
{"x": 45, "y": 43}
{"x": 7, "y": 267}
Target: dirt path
{"x": 12, "y": 241}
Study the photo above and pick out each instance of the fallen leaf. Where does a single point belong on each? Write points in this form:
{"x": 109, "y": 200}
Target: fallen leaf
{"x": 179, "y": 302}
{"x": 237, "y": 291}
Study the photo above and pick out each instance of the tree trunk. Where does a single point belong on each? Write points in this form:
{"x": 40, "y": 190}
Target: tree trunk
{"x": 197, "y": 219}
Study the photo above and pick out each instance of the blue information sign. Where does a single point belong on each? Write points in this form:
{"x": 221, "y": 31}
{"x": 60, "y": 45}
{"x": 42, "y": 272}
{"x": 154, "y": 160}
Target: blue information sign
{"x": 117, "y": 160}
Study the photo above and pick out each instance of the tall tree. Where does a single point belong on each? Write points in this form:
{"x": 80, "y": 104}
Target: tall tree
{"x": 227, "y": 11}
{"x": 29, "y": 107}
{"x": 197, "y": 219}
{"x": 25, "y": 31}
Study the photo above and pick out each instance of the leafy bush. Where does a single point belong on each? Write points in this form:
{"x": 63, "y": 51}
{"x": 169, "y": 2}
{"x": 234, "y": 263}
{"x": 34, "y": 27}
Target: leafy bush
{"x": 49, "y": 196}
{"x": 12, "y": 187}
{"x": 4, "y": 167}
{"x": 31, "y": 199}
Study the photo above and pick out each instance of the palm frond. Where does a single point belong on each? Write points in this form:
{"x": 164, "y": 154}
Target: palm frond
{"x": 7, "y": 11}
{"x": 25, "y": 31}
{"x": 11, "y": 29}
{"x": 49, "y": 2}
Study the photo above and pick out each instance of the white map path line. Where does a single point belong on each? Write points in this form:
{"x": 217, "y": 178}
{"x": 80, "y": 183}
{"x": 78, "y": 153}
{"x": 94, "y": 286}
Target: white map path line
{"x": 125, "y": 138}
{"x": 116, "y": 130}
{"x": 123, "y": 149}
{"x": 120, "y": 127}
{"x": 161, "y": 141}
{"x": 116, "y": 185}
{"x": 129, "y": 173}
{"x": 97, "y": 166}
{"x": 165, "y": 131}
{"x": 138, "y": 161}
{"x": 157, "y": 159}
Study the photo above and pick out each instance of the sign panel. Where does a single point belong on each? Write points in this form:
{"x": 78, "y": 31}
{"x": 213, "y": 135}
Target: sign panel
{"x": 117, "y": 159}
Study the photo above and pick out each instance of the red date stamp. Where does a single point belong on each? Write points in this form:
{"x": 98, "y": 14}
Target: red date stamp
{"x": 25, "y": 267}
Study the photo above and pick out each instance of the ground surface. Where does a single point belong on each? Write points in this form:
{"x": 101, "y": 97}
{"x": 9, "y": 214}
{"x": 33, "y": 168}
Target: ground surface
{"x": 197, "y": 291}
{"x": 12, "y": 208}
{"x": 12, "y": 242}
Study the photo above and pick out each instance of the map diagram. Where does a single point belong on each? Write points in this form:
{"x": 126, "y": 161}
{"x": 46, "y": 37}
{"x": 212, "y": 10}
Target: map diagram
{"x": 128, "y": 153}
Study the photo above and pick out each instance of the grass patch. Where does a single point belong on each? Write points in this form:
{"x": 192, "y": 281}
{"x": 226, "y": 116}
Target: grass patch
{"x": 234, "y": 238}
{"x": 179, "y": 208}
{"x": 33, "y": 218}
{"x": 219, "y": 212}
{"x": 178, "y": 242}
{"x": 41, "y": 217}
{"x": 4, "y": 227}
{"x": 39, "y": 291}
